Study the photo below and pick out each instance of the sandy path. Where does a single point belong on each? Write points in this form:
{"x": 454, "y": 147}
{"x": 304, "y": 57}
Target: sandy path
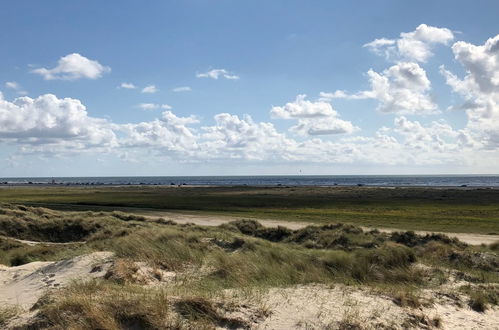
{"x": 216, "y": 220}
{"x": 23, "y": 285}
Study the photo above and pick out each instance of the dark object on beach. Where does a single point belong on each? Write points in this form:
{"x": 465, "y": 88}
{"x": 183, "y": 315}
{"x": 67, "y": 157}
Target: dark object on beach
{"x": 172, "y": 183}
{"x": 464, "y": 185}
{"x": 360, "y": 184}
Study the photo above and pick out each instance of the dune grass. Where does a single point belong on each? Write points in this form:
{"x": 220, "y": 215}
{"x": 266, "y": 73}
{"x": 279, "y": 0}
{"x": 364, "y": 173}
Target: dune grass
{"x": 242, "y": 252}
{"x": 241, "y": 255}
{"x": 7, "y": 313}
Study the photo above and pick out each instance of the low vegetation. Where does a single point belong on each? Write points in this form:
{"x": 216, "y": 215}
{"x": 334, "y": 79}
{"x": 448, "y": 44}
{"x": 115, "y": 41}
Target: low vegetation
{"x": 7, "y": 313}
{"x": 241, "y": 255}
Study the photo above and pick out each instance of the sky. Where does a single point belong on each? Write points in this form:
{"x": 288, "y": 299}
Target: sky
{"x": 224, "y": 87}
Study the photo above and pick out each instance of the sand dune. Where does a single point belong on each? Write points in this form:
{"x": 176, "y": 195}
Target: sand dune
{"x": 23, "y": 285}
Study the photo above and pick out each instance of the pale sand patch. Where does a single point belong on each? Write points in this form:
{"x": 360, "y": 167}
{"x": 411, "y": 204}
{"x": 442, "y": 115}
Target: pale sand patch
{"x": 24, "y": 285}
{"x": 323, "y": 307}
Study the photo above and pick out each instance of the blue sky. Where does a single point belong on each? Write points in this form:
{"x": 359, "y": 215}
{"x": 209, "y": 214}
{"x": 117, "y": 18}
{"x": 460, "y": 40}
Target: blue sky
{"x": 423, "y": 99}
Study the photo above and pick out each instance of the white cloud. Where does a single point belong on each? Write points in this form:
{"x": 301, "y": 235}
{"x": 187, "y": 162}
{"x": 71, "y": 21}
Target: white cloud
{"x": 50, "y": 126}
{"x": 154, "y": 106}
{"x": 324, "y": 126}
{"x": 217, "y": 73}
{"x": 127, "y": 85}
{"x": 235, "y": 138}
{"x": 314, "y": 118}
{"x": 403, "y": 88}
{"x": 150, "y": 89}
{"x": 169, "y": 133}
{"x": 48, "y": 120}
{"x": 479, "y": 88}
{"x": 181, "y": 89}
{"x": 73, "y": 66}
{"x": 302, "y": 108}
{"x": 413, "y": 46}
{"x": 438, "y": 136}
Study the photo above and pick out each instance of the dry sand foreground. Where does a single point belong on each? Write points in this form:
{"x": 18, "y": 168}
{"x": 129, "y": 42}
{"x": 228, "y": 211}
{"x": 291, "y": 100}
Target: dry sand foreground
{"x": 321, "y": 307}
{"x": 299, "y": 307}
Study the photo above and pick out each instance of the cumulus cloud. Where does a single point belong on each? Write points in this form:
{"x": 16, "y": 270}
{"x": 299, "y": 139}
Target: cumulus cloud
{"x": 48, "y": 120}
{"x": 218, "y": 73}
{"x": 51, "y": 126}
{"x": 181, "y": 89}
{"x": 413, "y": 46}
{"x": 242, "y": 138}
{"x": 403, "y": 88}
{"x": 231, "y": 138}
{"x": 73, "y": 66}
{"x": 127, "y": 85}
{"x": 168, "y": 133}
{"x": 479, "y": 88}
{"x": 438, "y": 136}
{"x": 325, "y": 126}
{"x": 302, "y": 108}
{"x": 314, "y": 118}
{"x": 150, "y": 89}
{"x": 154, "y": 106}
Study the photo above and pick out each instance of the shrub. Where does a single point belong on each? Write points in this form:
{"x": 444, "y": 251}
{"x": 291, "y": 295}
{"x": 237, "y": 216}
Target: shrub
{"x": 128, "y": 216}
{"x": 411, "y": 239}
{"x": 478, "y": 302}
{"x": 494, "y": 246}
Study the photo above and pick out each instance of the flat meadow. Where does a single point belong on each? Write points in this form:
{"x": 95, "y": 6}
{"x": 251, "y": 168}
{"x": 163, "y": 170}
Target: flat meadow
{"x": 468, "y": 210}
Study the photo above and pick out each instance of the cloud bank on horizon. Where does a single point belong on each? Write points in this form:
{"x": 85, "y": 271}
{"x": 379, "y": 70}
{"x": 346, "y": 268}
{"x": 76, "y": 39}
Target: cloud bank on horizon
{"x": 304, "y": 130}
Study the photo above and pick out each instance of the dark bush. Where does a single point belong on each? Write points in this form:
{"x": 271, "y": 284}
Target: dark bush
{"x": 411, "y": 239}
{"x": 245, "y": 226}
{"x": 276, "y": 234}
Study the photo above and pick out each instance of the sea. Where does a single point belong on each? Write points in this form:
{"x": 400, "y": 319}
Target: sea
{"x": 272, "y": 180}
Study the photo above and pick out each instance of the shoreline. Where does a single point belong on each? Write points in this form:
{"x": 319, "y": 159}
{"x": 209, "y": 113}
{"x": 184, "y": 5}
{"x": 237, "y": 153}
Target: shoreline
{"x": 359, "y": 185}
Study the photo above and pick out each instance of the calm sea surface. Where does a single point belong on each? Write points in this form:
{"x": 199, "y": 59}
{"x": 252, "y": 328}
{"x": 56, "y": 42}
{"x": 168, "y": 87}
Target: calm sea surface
{"x": 302, "y": 180}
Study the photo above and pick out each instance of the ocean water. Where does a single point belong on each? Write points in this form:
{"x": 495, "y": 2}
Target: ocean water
{"x": 302, "y": 180}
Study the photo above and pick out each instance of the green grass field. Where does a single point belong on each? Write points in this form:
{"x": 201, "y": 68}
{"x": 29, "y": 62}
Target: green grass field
{"x": 447, "y": 210}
